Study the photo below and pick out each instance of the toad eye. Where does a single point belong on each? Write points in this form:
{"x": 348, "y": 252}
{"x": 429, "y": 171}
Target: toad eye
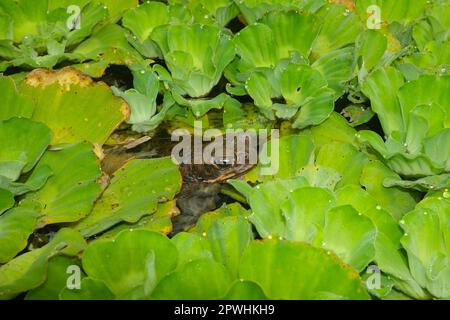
{"x": 223, "y": 163}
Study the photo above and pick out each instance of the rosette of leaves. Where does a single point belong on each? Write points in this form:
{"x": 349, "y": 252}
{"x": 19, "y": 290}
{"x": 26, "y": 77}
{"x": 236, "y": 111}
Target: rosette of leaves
{"x": 274, "y": 67}
{"x": 432, "y": 46}
{"x": 221, "y": 248}
{"x": 300, "y": 203}
{"x": 413, "y": 254}
{"x": 196, "y": 56}
{"x": 44, "y": 33}
{"x": 143, "y": 19}
{"x": 225, "y": 254}
{"x": 415, "y": 122}
{"x": 292, "y": 209}
{"x": 108, "y": 45}
{"x": 426, "y": 243}
{"x": 319, "y": 192}
{"x": 142, "y": 100}
{"x": 326, "y": 165}
{"x": 264, "y": 53}
{"x": 331, "y": 156}
{"x": 51, "y": 187}
{"x": 41, "y": 34}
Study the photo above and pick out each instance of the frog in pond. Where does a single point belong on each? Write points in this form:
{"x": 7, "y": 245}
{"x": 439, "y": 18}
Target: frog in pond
{"x": 201, "y": 188}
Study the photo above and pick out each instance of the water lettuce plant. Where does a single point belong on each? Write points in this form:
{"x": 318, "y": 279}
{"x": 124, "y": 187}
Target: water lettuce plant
{"x": 43, "y": 33}
{"x": 349, "y": 199}
{"x": 414, "y": 118}
{"x": 293, "y": 67}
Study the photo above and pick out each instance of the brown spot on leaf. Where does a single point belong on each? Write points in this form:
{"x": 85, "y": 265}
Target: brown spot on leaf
{"x": 65, "y": 78}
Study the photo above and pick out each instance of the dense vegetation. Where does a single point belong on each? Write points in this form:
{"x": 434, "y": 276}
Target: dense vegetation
{"x": 360, "y": 205}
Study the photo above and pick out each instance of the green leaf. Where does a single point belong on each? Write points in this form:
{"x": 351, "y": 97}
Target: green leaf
{"x": 218, "y": 12}
{"x": 255, "y": 45}
{"x": 425, "y": 240}
{"x": 253, "y": 10}
{"x": 245, "y": 290}
{"x": 70, "y": 193}
{"x": 320, "y": 176}
{"x": 134, "y": 192}
{"x": 297, "y": 152}
{"x": 29, "y": 270}
{"x": 306, "y": 29}
{"x": 357, "y": 114}
{"x": 317, "y": 273}
{"x": 91, "y": 289}
{"x": 350, "y": 235}
{"x": 16, "y": 225}
{"x": 245, "y": 116}
{"x": 19, "y": 154}
{"x": 6, "y": 200}
{"x": 364, "y": 203}
{"x": 35, "y": 181}
{"x": 160, "y": 221}
{"x": 13, "y": 103}
{"x": 304, "y": 213}
{"x": 117, "y": 7}
{"x": 424, "y": 91}
{"x": 260, "y": 89}
{"x": 228, "y": 237}
{"x": 73, "y": 106}
{"x": 196, "y": 56}
{"x": 307, "y": 88}
{"x": 142, "y": 100}
{"x": 335, "y": 128}
{"x": 340, "y": 27}
{"x": 265, "y": 201}
{"x": 26, "y": 16}
{"x": 110, "y": 44}
{"x": 57, "y": 276}
{"x": 201, "y": 106}
{"x": 436, "y": 182}
{"x": 337, "y": 67}
{"x": 206, "y": 221}
{"x": 190, "y": 282}
{"x": 371, "y": 47}
{"x": 382, "y": 87}
{"x": 90, "y": 16}
{"x": 417, "y": 131}
{"x": 131, "y": 263}
{"x": 143, "y": 19}
{"x": 397, "y": 201}
{"x": 345, "y": 159}
{"x": 191, "y": 247}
